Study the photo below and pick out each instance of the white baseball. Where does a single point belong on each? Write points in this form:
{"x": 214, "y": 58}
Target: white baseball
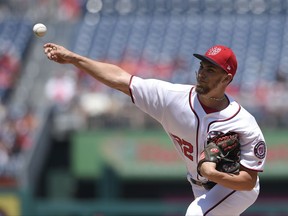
{"x": 39, "y": 29}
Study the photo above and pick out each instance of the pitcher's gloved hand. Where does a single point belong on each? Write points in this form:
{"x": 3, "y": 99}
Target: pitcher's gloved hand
{"x": 224, "y": 150}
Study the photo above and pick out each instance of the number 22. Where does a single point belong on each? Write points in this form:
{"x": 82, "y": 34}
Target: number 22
{"x": 187, "y": 148}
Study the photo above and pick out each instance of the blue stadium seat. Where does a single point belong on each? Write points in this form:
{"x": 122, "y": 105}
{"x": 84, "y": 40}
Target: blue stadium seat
{"x": 177, "y": 29}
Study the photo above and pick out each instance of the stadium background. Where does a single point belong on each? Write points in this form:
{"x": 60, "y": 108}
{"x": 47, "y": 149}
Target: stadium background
{"x": 71, "y": 146}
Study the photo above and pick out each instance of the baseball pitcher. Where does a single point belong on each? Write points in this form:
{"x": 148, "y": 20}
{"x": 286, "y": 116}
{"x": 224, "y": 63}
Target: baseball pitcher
{"x": 219, "y": 141}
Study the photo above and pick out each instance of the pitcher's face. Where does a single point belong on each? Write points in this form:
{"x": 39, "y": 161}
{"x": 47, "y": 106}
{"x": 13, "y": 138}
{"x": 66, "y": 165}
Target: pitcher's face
{"x": 209, "y": 77}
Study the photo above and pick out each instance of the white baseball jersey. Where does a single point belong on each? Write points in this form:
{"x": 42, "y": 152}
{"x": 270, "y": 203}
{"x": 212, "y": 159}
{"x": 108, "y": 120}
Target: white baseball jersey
{"x": 179, "y": 111}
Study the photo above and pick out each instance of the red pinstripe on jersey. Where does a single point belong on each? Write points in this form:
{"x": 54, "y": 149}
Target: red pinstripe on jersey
{"x": 198, "y": 120}
{"x": 217, "y": 204}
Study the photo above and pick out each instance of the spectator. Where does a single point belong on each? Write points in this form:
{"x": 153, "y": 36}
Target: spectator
{"x": 60, "y": 89}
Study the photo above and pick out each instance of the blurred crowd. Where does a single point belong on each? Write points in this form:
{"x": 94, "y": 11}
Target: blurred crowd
{"x": 16, "y": 138}
{"x": 18, "y": 124}
{"x": 80, "y": 102}
{"x": 9, "y": 67}
{"x": 35, "y": 9}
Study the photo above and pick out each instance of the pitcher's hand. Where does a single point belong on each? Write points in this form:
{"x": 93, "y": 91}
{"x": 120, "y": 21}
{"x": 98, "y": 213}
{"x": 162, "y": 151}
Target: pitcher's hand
{"x": 58, "y": 53}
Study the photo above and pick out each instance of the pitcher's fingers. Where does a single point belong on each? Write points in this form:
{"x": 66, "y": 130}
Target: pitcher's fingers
{"x": 49, "y": 45}
{"x": 50, "y": 56}
{"x": 47, "y": 50}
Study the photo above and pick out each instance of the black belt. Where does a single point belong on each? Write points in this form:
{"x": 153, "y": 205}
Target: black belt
{"x": 208, "y": 185}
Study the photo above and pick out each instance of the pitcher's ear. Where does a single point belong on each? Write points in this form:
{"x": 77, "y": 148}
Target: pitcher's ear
{"x": 228, "y": 78}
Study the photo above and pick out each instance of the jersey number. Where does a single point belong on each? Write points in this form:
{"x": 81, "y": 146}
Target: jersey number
{"x": 186, "y": 147}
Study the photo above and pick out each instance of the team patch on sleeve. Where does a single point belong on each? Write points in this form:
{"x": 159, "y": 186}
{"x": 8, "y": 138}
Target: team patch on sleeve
{"x": 260, "y": 150}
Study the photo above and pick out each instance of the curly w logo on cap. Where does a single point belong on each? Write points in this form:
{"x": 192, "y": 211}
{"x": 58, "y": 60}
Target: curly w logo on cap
{"x": 213, "y": 51}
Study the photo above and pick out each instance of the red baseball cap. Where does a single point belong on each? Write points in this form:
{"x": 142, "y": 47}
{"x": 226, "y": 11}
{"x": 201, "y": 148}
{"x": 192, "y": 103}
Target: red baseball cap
{"x": 221, "y": 56}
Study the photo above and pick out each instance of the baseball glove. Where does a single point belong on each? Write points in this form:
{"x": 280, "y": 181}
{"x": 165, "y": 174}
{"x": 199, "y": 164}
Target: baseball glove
{"x": 224, "y": 150}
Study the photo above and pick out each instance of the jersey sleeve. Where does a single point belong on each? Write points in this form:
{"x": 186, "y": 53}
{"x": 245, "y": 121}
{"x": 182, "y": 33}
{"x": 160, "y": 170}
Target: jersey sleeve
{"x": 147, "y": 94}
{"x": 153, "y": 96}
{"x": 253, "y": 147}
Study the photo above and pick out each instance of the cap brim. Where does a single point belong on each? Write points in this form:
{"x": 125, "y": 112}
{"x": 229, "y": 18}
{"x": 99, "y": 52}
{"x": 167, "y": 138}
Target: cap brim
{"x": 205, "y": 58}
